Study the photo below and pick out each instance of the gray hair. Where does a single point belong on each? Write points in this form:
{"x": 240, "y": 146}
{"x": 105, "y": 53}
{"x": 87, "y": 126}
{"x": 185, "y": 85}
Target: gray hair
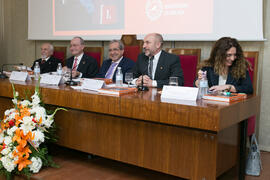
{"x": 81, "y": 39}
{"x": 50, "y": 46}
{"x": 120, "y": 43}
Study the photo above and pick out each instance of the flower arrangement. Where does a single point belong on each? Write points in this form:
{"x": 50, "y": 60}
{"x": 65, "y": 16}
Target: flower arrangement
{"x": 23, "y": 133}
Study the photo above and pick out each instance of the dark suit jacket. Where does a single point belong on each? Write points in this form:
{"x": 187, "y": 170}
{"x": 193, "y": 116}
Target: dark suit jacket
{"x": 242, "y": 85}
{"x": 168, "y": 66}
{"x": 125, "y": 64}
{"x": 49, "y": 66}
{"x": 88, "y": 66}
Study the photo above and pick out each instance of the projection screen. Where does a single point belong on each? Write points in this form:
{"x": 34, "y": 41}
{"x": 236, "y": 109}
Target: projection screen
{"x": 176, "y": 20}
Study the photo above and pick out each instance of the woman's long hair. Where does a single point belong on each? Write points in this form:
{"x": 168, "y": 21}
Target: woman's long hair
{"x": 218, "y": 57}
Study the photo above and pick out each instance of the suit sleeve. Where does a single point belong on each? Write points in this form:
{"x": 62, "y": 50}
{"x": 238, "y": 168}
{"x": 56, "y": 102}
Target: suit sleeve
{"x": 92, "y": 69}
{"x": 175, "y": 70}
{"x": 244, "y": 85}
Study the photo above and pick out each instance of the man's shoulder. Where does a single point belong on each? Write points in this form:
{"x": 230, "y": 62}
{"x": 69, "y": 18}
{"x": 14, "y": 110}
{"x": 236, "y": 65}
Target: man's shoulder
{"x": 127, "y": 60}
{"x": 164, "y": 53}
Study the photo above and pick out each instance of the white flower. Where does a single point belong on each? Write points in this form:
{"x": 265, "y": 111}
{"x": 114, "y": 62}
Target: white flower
{"x": 38, "y": 137}
{"x": 16, "y": 94}
{"x": 9, "y": 111}
{"x": 8, "y": 163}
{"x": 1, "y": 137}
{"x": 39, "y": 112}
{"x": 36, "y": 164}
{"x": 27, "y": 124}
{"x": 14, "y": 101}
{"x": 25, "y": 103}
{"x": 11, "y": 131}
{"x": 7, "y": 140}
{"x": 48, "y": 121}
{"x": 35, "y": 99}
{"x": 6, "y": 151}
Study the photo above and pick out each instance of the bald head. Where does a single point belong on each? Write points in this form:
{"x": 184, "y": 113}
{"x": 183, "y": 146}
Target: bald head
{"x": 152, "y": 44}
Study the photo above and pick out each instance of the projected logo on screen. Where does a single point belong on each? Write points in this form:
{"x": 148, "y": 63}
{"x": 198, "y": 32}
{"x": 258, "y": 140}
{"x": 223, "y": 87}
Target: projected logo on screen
{"x": 117, "y": 17}
{"x": 153, "y": 9}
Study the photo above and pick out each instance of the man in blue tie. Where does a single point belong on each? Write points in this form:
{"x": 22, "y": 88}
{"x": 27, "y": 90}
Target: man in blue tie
{"x": 116, "y": 59}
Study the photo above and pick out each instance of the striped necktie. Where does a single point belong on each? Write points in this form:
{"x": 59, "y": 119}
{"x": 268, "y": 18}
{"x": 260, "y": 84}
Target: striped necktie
{"x": 110, "y": 71}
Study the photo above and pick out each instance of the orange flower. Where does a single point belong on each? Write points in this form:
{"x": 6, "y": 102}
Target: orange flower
{"x": 22, "y": 151}
{"x": 23, "y": 162}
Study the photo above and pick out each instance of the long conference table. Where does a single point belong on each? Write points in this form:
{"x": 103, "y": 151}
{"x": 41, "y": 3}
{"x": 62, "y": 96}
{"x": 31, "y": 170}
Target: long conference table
{"x": 193, "y": 140}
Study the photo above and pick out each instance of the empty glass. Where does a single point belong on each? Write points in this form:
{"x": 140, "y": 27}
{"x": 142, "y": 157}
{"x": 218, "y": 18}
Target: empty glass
{"x": 173, "y": 81}
{"x": 129, "y": 78}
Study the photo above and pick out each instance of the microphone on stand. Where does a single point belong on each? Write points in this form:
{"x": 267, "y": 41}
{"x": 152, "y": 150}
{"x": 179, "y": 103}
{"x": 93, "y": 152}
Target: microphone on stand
{"x": 2, "y": 75}
{"x": 70, "y": 82}
{"x": 149, "y": 71}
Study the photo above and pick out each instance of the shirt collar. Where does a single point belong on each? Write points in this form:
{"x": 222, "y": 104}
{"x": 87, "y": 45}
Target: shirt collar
{"x": 79, "y": 57}
{"x": 118, "y": 61}
{"x": 156, "y": 57}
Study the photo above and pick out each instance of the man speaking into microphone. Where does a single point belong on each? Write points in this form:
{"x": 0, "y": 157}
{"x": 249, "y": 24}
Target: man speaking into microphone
{"x": 155, "y": 66}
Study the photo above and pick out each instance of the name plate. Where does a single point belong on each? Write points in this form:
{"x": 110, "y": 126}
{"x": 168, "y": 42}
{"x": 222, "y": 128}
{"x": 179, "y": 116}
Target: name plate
{"x": 50, "y": 79}
{"x": 92, "y": 84}
{"x": 19, "y": 76}
{"x": 179, "y": 93}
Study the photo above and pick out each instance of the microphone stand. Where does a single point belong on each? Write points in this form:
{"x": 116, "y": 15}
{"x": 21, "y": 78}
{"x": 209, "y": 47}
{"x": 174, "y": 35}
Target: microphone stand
{"x": 70, "y": 82}
{"x": 2, "y": 75}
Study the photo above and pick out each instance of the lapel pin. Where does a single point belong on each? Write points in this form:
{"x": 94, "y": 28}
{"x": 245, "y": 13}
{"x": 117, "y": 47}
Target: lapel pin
{"x": 161, "y": 67}
{"x": 83, "y": 62}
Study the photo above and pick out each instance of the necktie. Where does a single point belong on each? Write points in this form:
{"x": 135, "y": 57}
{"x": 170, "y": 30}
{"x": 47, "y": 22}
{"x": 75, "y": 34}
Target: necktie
{"x": 43, "y": 61}
{"x": 75, "y": 64}
{"x": 110, "y": 71}
{"x": 150, "y": 67}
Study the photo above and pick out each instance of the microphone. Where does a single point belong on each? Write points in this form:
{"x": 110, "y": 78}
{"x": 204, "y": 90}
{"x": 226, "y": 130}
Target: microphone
{"x": 70, "y": 82}
{"x": 2, "y": 75}
{"x": 149, "y": 71}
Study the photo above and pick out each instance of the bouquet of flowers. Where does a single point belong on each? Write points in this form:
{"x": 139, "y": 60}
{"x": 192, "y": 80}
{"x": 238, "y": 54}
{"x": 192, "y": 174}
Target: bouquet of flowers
{"x": 23, "y": 132}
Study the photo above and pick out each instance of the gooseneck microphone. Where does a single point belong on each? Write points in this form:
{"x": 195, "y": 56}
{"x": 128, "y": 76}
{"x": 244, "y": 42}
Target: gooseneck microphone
{"x": 2, "y": 75}
{"x": 149, "y": 73}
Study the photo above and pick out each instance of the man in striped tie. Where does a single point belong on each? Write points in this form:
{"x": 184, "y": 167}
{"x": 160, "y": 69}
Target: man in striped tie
{"x": 116, "y": 59}
{"x": 81, "y": 65}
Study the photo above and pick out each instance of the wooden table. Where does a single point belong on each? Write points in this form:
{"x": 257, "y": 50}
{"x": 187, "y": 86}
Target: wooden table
{"x": 192, "y": 140}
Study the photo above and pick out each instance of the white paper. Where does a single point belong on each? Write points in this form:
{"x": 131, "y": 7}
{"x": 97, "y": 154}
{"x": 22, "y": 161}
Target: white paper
{"x": 179, "y": 93}
{"x": 92, "y": 84}
{"x": 50, "y": 79}
{"x": 19, "y": 76}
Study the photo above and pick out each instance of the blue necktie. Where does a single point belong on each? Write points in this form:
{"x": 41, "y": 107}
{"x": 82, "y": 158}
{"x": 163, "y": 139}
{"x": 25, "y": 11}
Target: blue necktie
{"x": 110, "y": 71}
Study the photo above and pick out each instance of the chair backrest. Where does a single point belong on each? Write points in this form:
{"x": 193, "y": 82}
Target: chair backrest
{"x": 133, "y": 47}
{"x": 60, "y": 53}
{"x": 95, "y": 52}
{"x": 189, "y": 58}
{"x": 252, "y": 57}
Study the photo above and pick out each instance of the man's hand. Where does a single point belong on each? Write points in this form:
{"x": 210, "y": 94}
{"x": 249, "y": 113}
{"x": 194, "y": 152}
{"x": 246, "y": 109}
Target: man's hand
{"x": 75, "y": 74}
{"x": 146, "y": 81}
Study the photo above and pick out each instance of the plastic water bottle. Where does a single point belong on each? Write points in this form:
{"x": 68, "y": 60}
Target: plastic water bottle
{"x": 36, "y": 71}
{"x": 119, "y": 77}
{"x": 59, "y": 69}
{"x": 203, "y": 85}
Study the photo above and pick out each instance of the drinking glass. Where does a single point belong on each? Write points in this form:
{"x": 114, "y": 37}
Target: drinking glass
{"x": 128, "y": 78}
{"x": 173, "y": 81}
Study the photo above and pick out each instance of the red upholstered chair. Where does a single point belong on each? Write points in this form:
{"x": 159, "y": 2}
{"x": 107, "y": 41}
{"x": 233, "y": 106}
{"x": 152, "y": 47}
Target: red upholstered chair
{"x": 189, "y": 59}
{"x": 60, "y": 53}
{"x": 133, "y": 47}
{"x": 95, "y": 52}
{"x": 252, "y": 57}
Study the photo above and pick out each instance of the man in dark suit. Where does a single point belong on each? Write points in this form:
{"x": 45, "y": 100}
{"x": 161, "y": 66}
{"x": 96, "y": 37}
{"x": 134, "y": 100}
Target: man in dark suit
{"x": 81, "y": 65}
{"x": 47, "y": 62}
{"x": 156, "y": 66}
{"x": 109, "y": 67}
